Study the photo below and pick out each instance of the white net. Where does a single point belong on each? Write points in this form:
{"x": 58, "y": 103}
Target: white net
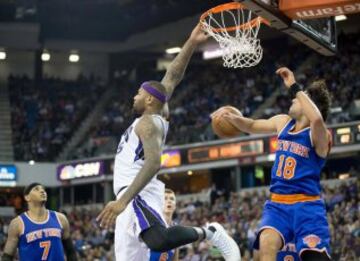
{"x": 240, "y": 46}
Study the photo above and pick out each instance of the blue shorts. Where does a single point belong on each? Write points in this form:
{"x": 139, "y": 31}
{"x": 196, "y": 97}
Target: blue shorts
{"x": 304, "y": 223}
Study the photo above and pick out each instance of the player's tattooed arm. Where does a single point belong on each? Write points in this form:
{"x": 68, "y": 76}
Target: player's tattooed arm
{"x": 11, "y": 245}
{"x": 66, "y": 238}
{"x": 151, "y": 134}
{"x": 176, "y": 70}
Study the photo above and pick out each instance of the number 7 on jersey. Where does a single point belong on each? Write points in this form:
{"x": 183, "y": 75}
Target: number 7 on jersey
{"x": 46, "y": 245}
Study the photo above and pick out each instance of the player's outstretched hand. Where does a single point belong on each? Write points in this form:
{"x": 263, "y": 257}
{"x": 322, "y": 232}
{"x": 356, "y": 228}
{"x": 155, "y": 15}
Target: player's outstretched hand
{"x": 198, "y": 35}
{"x": 234, "y": 119}
{"x": 219, "y": 112}
{"x": 287, "y": 76}
{"x": 108, "y": 216}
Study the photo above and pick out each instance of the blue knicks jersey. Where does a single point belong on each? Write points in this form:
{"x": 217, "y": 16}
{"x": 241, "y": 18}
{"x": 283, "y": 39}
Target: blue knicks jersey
{"x": 165, "y": 256}
{"x": 297, "y": 167}
{"x": 41, "y": 241}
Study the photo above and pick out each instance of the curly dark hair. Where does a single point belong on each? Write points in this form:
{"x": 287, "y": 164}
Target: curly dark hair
{"x": 320, "y": 95}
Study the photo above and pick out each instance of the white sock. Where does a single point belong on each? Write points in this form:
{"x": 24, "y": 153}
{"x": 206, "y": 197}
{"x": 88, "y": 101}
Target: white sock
{"x": 209, "y": 233}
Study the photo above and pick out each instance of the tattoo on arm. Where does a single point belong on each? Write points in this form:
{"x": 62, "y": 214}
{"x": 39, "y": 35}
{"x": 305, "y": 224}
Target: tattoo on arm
{"x": 176, "y": 70}
{"x": 151, "y": 137}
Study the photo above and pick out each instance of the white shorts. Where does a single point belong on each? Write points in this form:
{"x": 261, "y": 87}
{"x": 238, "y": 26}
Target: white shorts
{"x": 141, "y": 213}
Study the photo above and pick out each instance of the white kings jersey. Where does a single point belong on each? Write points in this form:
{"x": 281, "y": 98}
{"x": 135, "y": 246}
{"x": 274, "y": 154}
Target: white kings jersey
{"x": 130, "y": 157}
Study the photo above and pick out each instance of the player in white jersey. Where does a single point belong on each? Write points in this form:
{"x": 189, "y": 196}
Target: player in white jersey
{"x": 129, "y": 158}
{"x": 139, "y": 194}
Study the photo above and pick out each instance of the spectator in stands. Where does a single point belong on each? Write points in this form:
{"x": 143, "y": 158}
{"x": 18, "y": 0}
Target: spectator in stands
{"x": 45, "y": 114}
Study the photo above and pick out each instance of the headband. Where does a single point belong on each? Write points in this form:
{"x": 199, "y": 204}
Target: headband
{"x": 30, "y": 187}
{"x": 151, "y": 90}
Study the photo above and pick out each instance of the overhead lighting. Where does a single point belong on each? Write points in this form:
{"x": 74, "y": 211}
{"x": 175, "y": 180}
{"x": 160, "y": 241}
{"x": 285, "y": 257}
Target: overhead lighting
{"x": 190, "y": 172}
{"x": 339, "y": 18}
{"x": 173, "y": 50}
{"x": 2, "y": 55}
{"x": 31, "y": 162}
{"x": 344, "y": 176}
{"x": 45, "y": 57}
{"x": 74, "y": 58}
{"x": 212, "y": 54}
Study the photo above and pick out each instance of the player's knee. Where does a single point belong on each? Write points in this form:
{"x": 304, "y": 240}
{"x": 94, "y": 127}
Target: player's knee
{"x": 157, "y": 244}
{"x": 314, "y": 256}
{"x": 270, "y": 242}
{"x": 156, "y": 239}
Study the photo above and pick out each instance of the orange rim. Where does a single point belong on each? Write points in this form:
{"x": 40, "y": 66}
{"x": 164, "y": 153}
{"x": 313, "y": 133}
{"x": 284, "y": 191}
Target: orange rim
{"x": 232, "y": 6}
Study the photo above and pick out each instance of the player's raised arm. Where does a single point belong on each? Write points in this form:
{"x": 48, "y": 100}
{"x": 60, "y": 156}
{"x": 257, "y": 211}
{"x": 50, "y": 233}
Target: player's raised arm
{"x": 151, "y": 134}
{"x": 319, "y": 133}
{"x": 175, "y": 72}
{"x": 248, "y": 125}
{"x": 13, "y": 238}
{"x": 66, "y": 238}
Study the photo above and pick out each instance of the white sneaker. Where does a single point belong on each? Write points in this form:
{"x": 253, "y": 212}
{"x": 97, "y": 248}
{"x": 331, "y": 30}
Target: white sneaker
{"x": 226, "y": 245}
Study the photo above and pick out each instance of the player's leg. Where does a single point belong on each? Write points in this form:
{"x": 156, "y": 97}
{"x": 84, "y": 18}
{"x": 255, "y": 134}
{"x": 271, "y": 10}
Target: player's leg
{"x": 145, "y": 221}
{"x": 162, "y": 239}
{"x": 159, "y": 238}
{"x": 154, "y": 232}
{"x": 270, "y": 244}
{"x": 275, "y": 230}
{"x": 312, "y": 233}
{"x": 126, "y": 243}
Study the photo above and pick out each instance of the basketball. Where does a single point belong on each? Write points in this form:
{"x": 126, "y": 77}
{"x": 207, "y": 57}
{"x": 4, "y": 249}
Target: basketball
{"x": 222, "y": 127}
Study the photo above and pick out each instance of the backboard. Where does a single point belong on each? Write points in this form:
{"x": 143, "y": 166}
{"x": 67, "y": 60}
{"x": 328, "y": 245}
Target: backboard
{"x": 317, "y": 33}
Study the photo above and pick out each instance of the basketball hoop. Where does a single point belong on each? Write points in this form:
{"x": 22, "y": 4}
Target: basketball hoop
{"x": 235, "y": 28}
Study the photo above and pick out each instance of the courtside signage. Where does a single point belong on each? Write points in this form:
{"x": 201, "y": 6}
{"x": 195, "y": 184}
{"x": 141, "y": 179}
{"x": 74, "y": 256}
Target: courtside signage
{"x": 80, "y": 170}
{"x": 226, "y": 151}
{"x": 8, "y": 175}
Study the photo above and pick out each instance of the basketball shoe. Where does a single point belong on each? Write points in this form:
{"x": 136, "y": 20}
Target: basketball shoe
{"x": 222, "y": 241}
